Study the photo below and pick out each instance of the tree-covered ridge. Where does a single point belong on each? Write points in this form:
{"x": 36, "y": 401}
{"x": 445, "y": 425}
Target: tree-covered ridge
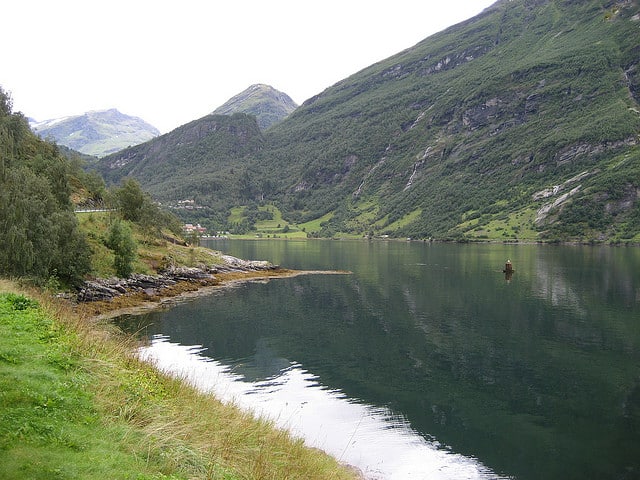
{"x": 39, "y": 233}
{"x": 202, "y": 160}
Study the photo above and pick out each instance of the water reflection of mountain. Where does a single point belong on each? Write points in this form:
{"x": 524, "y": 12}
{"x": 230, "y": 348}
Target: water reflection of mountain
{"x": 493, "y": 364}
{"x": 537, "y": 377}
{"x": 552, "y": 286}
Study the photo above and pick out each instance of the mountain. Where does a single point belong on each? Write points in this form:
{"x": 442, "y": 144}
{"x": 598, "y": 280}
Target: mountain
{"x": 202, "y": 159}
{"x": 521, "y": 123}
{"x": 267, "y": 104}
{"x": 96, "y": 133}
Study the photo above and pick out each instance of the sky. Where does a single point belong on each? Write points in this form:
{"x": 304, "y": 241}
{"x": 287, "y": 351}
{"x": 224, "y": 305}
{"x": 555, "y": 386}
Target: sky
{"x": 173, "y": 61}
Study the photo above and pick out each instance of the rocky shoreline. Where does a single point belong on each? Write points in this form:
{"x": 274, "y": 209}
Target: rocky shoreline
{"x": 103, "y": 299}
{"x": 106, "y": 289}
{"x": 107, "y": 297}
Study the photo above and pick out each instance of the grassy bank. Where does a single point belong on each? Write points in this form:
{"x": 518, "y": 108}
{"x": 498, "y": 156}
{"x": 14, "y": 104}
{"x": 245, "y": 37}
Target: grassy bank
{"x": 75, "y": 403}
{"x": 152, "y": 253}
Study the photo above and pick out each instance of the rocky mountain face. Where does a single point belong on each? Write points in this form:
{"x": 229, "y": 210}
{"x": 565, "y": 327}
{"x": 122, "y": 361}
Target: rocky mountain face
{"x": 96, "y": 133}
{"x": 267, "y": 104}
{"x": 520, "y": 123}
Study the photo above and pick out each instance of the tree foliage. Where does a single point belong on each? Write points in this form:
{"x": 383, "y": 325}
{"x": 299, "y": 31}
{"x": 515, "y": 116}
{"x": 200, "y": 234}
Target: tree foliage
{"x": 39, "y": 233}
{"x": 130, "y": 200}
{"x": 136, "y": 206}
{"x": 120, "y": 240}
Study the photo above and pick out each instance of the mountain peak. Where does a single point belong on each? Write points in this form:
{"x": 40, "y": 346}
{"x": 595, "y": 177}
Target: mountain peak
{"x": 97, "y": 132}
{"x": 268, "y": 105}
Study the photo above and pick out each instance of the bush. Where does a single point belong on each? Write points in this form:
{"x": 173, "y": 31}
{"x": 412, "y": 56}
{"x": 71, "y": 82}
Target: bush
{"x": 120, "y": 240}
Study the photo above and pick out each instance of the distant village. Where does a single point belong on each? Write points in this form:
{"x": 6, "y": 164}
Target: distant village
{"x": 189, "y": 229}
{"x": 197, "y": 229}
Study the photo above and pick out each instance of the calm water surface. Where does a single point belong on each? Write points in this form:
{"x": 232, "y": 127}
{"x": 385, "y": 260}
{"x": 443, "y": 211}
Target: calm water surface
{"x": 426, "y": 362}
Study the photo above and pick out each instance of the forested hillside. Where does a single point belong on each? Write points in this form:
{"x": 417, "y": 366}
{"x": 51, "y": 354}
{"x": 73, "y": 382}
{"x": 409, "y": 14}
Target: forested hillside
{"x": 39, "y": 234}
{"x": 521, "y": 123}
{"x": 202, "y": 160}
{"x": 485, "y": 126}
{"x": 41, "y": 239}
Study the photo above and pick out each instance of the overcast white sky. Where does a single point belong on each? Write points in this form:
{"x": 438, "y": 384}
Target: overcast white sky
{"x": 172, "y": 61}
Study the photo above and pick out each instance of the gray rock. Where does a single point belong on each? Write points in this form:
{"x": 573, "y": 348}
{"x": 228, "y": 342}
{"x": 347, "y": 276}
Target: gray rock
{"x": 109, "y": 288}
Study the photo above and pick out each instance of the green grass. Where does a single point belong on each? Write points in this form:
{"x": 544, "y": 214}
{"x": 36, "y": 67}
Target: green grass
{"x": 315, "y": 225}
{"x": 95, "y": 225}
{"x": 153, "y": 253}
{"x": 50, "y": 426}
{"x": 517, "y": 225}
{"x": 404, "y": 221}
{"x": 75, "y": 403}
{"x": 236, "y": 214}
{"x": 273, "y": 224}
{"x": 275, "y": 227}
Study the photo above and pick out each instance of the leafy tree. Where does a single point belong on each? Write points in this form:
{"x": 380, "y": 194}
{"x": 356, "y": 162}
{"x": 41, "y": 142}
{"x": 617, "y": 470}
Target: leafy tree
{"x": 120, "y": 240}
{"x": 39, "y": 233}
{"x": 130, "y": 200}
{"x": 137, "y": 206}
{"x": 94, "y": 184}
{"x": 87, "y": 182}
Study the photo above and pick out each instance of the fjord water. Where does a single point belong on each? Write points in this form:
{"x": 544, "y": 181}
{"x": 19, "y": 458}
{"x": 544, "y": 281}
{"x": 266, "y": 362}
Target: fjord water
{"x": 426, "y": 361}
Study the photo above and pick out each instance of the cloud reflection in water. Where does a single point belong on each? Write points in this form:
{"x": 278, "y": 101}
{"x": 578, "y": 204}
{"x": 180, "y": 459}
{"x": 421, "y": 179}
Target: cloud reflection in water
{"x": 377, "y": 441}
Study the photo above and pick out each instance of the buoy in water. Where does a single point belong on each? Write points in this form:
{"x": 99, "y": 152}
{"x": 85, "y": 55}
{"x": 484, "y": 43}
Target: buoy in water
{"x": 508, "y": 267}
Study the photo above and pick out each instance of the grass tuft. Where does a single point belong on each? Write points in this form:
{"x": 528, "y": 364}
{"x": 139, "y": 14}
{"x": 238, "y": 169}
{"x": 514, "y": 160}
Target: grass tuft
{"x": 75, "y": 402}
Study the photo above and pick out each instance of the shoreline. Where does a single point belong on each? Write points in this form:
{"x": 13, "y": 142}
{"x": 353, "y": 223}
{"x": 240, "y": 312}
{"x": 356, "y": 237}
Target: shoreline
{"x": 99, "y": 396}
{"x": 138, "y": 302}
{"x": 465, "y": 241}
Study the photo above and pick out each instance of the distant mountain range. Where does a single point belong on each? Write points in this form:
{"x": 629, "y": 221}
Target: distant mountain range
{"x": 96, "y": 133}
{"x": 521, "y": 123}
{"x": 264, "y": 102}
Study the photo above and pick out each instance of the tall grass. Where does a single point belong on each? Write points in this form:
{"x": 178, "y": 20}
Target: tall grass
{"x": 119, "y": 417}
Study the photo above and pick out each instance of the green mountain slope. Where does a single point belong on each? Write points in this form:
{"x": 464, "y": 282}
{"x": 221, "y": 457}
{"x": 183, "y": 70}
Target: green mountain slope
{"x": 202, "y": 160}
{"x": 97, "y": 133}
{"x": 521, "y": 123}
{"x": 267, "y": 104}
{"x": 463, "y": 133}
